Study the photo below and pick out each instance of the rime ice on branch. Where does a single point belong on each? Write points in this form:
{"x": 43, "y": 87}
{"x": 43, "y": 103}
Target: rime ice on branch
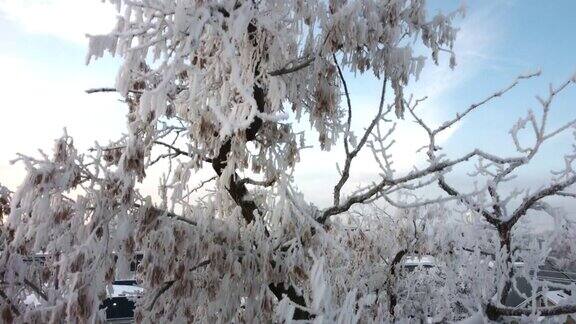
{"x": 209, "y": 86}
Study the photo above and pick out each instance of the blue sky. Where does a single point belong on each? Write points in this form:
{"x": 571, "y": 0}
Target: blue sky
{"x": 43, "y": 76}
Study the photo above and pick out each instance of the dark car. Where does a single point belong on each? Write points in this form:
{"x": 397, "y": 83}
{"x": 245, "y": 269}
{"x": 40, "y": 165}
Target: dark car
{"x": 120, "y": 302}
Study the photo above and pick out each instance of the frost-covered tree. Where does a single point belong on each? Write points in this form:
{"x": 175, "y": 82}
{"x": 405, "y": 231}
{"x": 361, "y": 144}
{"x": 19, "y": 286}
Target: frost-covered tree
{"x": 211, "y": 87}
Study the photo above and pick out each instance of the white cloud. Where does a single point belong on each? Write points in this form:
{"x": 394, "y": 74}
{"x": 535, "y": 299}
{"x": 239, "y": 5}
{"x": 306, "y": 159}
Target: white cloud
{"x": 38, "y": 103}
{"x": 39, "y": 98}
{"x": 69, "y": 20}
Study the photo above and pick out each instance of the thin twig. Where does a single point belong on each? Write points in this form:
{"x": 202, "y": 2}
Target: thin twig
{"x": 97, "y": 90}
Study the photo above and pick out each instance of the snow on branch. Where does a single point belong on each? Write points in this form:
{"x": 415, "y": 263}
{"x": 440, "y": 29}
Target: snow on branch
{"x": 212, "y": 90}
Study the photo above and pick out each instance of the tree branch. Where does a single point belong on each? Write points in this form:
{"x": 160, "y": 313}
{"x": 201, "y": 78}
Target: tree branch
{"x": 293, "y": 66}
{"x": 181, "y": 152}
{"x": 264, "y": 183}
{"x": 392, "y": 298}
{"x": 351, "y": 155}
{"x": 453, "y": 192}
{"x": 497, "y": 94}
{"x": 35, "y": 288}
{"x": 359, "y": 198}
{"x": 170, "y": 283}
{"x": 534, "y": 198}
{"x": 95, "y": 90}
{"x": 105, "y": 89}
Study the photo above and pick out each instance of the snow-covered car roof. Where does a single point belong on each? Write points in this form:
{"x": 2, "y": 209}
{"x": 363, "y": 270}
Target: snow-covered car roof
{"x": 556, "y": 296}
{"x": 121, "y": 290}
{"x": 124, "y": 291}
{"x": 424, "y": 260}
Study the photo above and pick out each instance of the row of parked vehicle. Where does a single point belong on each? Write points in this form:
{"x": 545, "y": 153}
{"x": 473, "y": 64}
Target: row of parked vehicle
{"x": 120, "y": 302}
